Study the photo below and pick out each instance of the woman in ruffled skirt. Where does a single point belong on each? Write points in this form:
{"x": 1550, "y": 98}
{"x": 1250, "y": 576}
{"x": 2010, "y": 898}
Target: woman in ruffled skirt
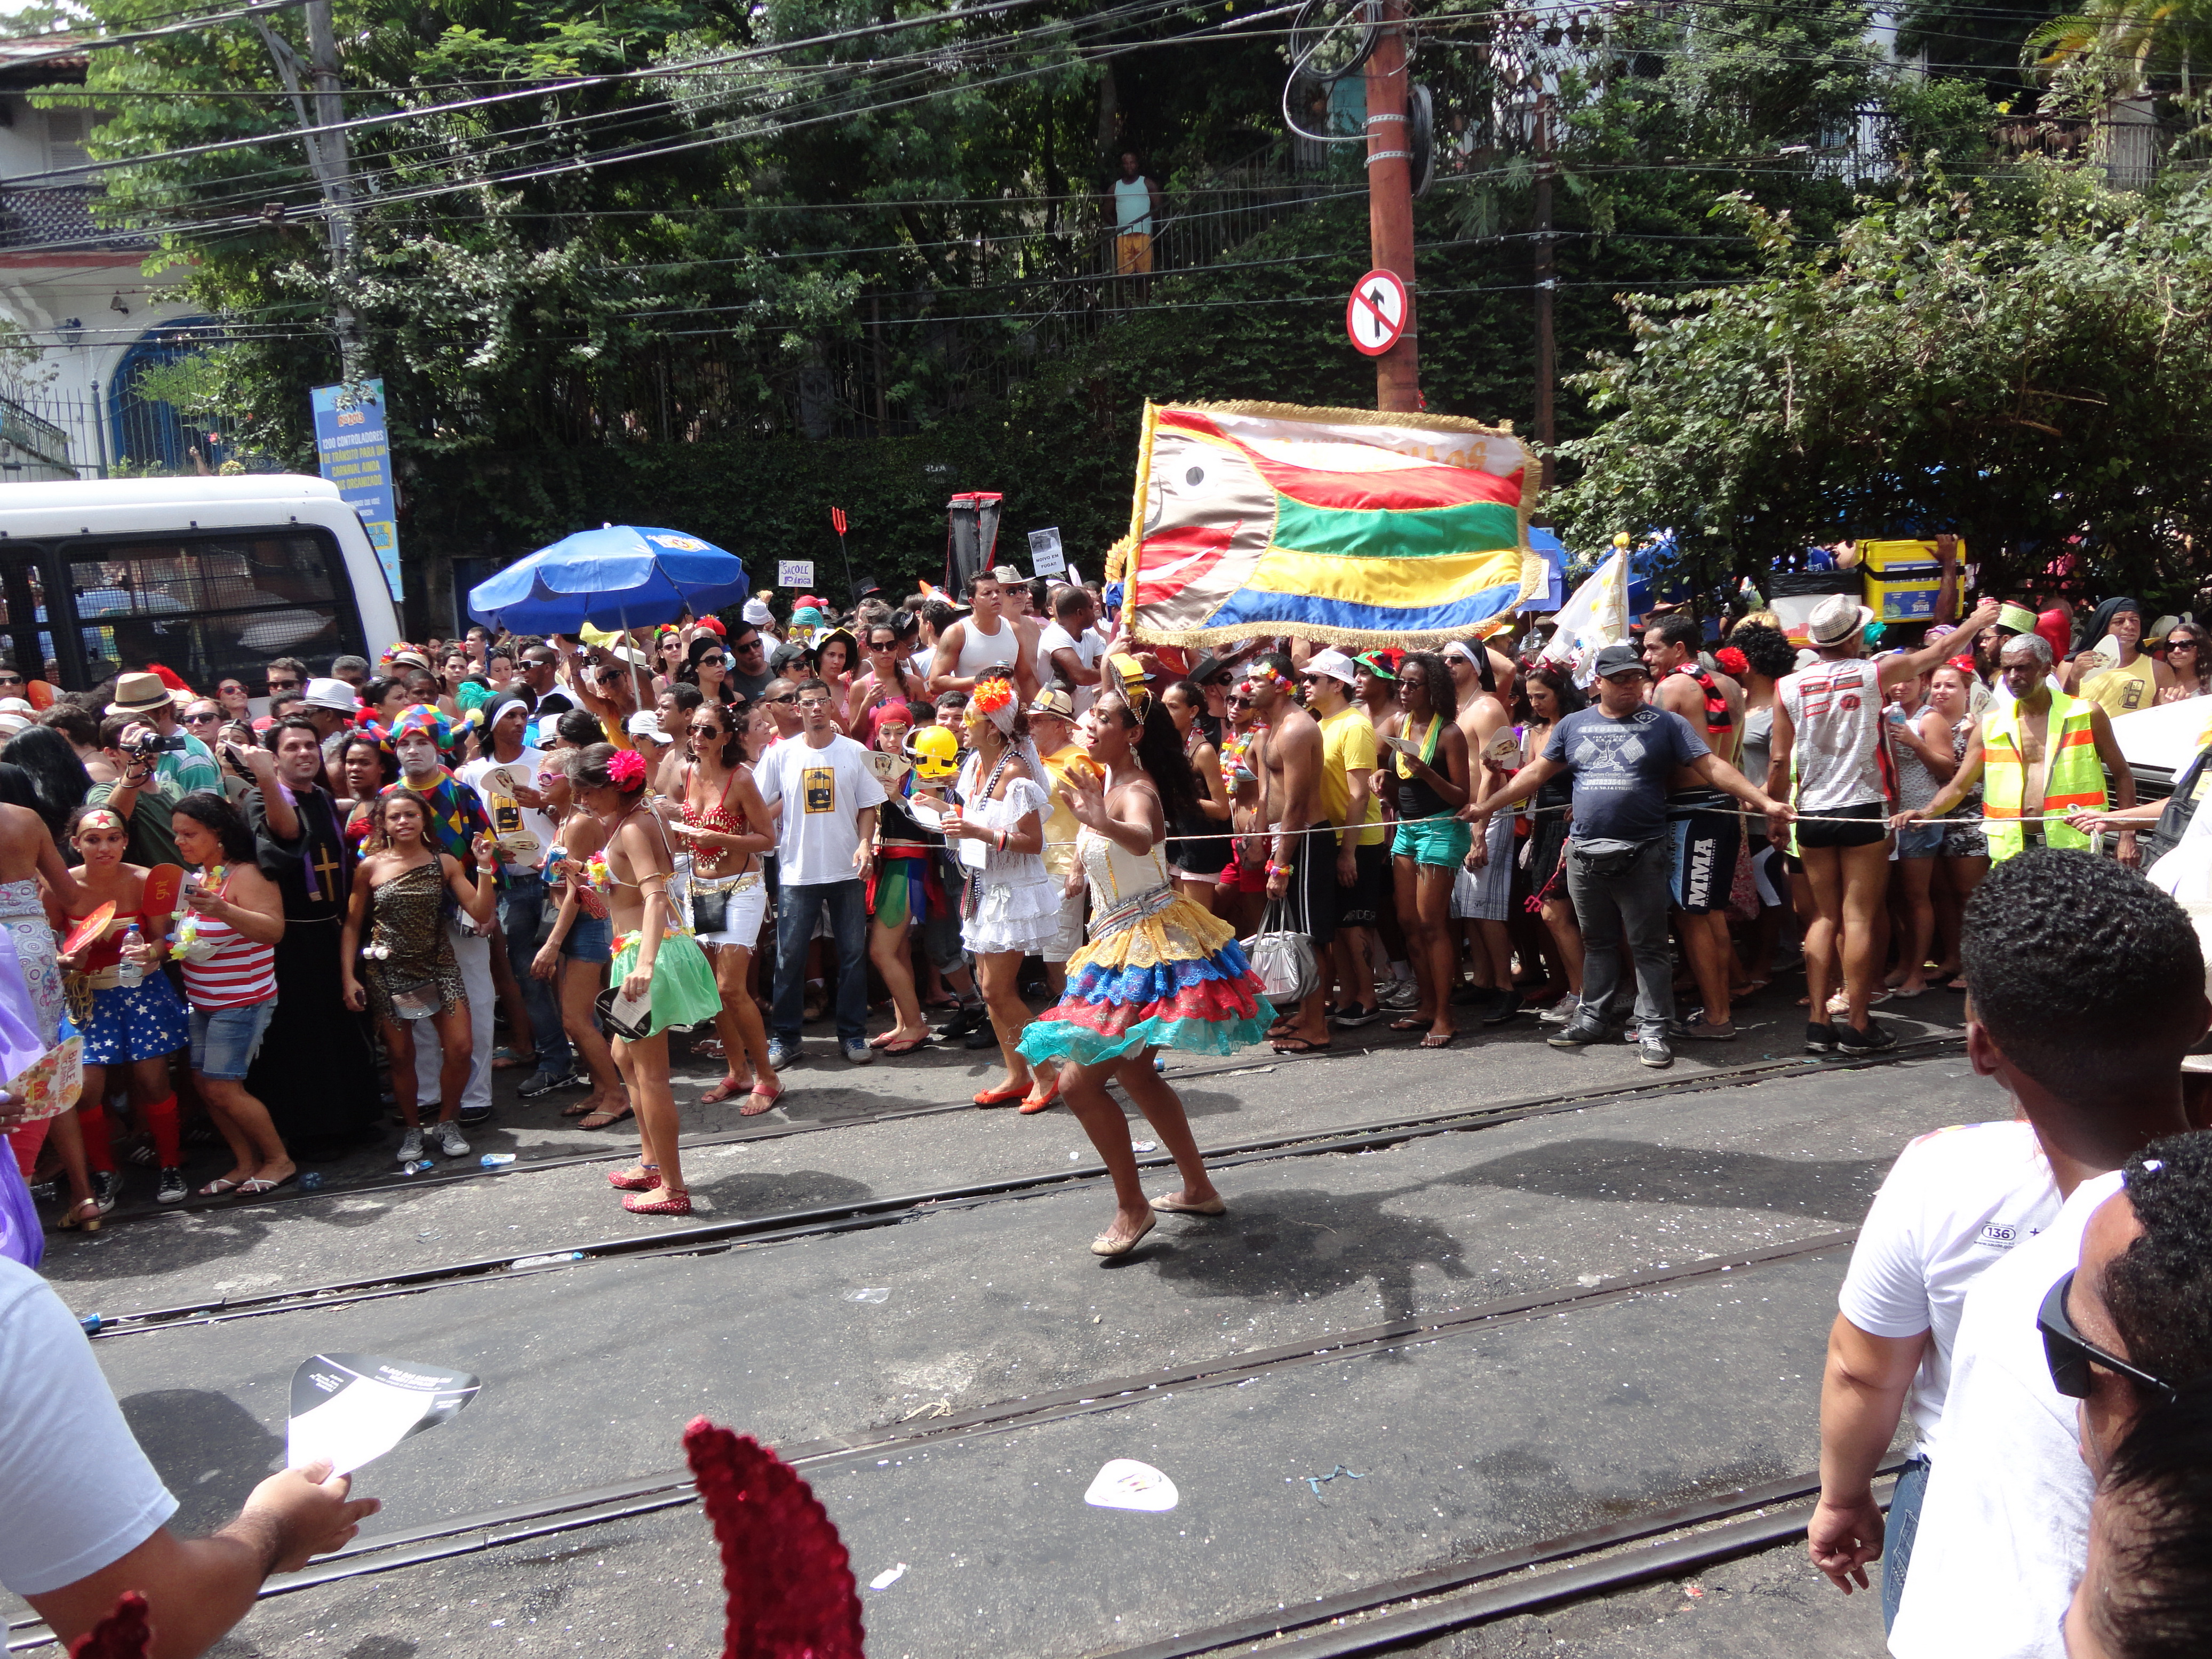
{"x": 1159, "y": 972}
{"x": 1011, "y": 905}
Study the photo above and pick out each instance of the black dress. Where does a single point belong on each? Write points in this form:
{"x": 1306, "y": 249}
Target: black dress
{"x": 316, "y": 1072}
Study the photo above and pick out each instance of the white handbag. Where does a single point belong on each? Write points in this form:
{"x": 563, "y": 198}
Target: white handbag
{"x": 1283, "y": 961}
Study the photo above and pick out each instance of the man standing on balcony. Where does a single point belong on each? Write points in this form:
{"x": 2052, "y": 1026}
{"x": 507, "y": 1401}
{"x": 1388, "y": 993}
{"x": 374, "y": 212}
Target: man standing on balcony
{"x": 1136, "y": 198}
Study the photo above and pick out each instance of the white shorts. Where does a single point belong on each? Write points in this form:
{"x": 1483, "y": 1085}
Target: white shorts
{"x": 741, "y": 922}
{"x": 1067, "y": 938}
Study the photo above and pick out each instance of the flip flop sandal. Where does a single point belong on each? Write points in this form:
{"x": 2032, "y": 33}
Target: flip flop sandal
{"x": 766, "y": 1102}
{"x": 1299, "y": 1045}
{"x": 222, "y": 1187}
{"x": 894, "y": 1050}
{"x": 723, "y": 1090}
{"x": 257, "y": 1186}
{"x": 1433, "y": 1041}
{"x": 582, "y": 1108}
{"x": 1409, "y": 1025}
{"x": 611, "y": 1119}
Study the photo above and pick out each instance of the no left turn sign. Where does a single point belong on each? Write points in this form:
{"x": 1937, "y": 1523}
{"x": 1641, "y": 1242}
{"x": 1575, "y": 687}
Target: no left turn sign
{"x": 1375, "y": 315}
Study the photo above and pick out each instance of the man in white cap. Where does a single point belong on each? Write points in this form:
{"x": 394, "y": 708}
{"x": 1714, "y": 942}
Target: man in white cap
{"x": 331, "y": 704}
{"x": 1825, "y": 756}
{"x": 1348, "y": 759}
{"x": 184, "y": 761}
{"x": 758, "y": 613}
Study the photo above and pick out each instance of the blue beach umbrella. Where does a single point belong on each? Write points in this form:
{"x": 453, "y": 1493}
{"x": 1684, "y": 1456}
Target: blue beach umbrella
{"x": 618, "y": 576}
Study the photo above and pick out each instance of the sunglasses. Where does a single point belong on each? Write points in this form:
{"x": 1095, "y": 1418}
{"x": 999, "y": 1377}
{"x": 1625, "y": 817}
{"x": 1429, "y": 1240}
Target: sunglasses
{"x": 789, "y": 697}
{"x": 2070, "y": 1354}
{"x": 750, "y": 645}
{"x": 705, "y": 731}
{"x": 190, "y": 720}
{"x": 283, "y": 685}
{"x": 1241, "y": 702}
{"x": 612, "y": 676}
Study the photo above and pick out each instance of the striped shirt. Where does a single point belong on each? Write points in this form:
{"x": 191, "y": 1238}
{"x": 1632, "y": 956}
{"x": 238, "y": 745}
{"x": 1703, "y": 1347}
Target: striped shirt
{"x": 239, "y": 973}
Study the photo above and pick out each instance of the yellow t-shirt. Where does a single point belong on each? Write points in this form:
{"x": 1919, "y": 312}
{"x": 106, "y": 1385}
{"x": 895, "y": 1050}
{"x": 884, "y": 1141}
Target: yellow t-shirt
{"x": 2123, "y": 690}
{"x": 1060, "y": 827}
{"x": 1347, "y": 744}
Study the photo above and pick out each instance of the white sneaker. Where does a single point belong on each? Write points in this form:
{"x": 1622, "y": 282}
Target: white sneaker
{"x": 410, "y": 1146}
{"x": 1560, "y": 1012}
{"x": 1399, "y": 994}
{"x": 450, "y": 1141}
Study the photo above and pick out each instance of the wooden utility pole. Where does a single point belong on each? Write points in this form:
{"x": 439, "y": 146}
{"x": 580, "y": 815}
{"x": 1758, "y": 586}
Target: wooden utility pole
{"x": 1546, "y": 284}
{"x": 1390, "y": 200}
{"x": 331, "y": 160}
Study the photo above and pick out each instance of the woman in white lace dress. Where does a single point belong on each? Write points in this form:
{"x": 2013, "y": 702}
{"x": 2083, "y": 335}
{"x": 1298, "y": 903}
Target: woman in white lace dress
{"x": 1012, "y": 905}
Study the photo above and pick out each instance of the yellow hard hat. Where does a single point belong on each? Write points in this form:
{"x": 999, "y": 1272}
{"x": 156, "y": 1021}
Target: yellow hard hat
{"x": 934, "y": 752}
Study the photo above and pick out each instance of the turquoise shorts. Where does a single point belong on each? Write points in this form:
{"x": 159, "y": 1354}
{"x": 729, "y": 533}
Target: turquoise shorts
{"x": 1442, "y": 841}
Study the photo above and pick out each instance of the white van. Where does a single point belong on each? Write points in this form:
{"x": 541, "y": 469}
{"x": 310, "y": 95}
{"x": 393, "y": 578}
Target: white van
{"x": 208, "y": 577}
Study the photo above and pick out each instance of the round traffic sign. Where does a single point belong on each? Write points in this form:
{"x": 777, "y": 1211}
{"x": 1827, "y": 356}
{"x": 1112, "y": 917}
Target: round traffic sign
{"x": 1376, "y": 315}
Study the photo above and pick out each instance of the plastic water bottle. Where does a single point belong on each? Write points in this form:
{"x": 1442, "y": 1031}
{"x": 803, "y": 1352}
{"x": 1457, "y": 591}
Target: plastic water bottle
{"x": 127, "y": 971}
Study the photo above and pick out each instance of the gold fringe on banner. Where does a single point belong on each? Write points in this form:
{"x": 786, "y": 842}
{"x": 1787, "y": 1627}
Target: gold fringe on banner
{"x": 1534, "y": 572}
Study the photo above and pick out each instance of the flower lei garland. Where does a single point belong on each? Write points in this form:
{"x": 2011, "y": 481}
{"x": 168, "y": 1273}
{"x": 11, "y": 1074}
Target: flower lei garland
{"x": 1235, "y": 746}
{"x": 1261, "y": 675}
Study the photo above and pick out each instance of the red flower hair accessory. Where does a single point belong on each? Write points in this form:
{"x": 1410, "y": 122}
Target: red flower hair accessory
{"x": 995, "y": 701}
{"x": 1733, "y": 662}
{"x": 626, "y": 771}
{"x": 785, "y": 1571}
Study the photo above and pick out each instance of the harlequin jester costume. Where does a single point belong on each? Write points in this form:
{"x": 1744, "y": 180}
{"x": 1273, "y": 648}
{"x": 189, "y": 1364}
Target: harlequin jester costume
{"x": 1159, "y": 972}
{"x": 457, "y": 813}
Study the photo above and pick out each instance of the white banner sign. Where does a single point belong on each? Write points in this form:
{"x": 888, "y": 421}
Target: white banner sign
{"x": 794, "y": 573}
{"x": 1046, "y": 558}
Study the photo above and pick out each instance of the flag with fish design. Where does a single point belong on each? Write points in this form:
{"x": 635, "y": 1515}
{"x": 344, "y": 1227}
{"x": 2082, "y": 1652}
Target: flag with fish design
{"x": 1339, "y": 524}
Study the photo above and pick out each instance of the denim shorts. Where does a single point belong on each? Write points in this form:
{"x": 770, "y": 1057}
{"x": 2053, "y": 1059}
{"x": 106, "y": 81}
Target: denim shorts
{"x": 1921, "y": 841}
{"x": 226, "y": 1040}
{"x": 589, "y": 938}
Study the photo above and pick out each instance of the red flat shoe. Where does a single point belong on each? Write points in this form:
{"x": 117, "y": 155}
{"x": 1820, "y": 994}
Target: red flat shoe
{"x": 678, "y": 1202}
{"x": 1037, "y": 1102}
{"x": 1001, "y": 1096}
{"x": 643, "y": 1179}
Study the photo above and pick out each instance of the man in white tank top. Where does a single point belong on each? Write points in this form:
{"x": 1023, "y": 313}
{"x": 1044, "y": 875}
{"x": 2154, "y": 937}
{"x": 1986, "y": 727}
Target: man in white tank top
{"x": 983, "y": 640}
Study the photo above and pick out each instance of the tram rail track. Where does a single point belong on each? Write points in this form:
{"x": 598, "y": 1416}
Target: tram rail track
{"x": 892, "y": 1210}
{"x": 511, "y": 1525}
{"x": 794, "y": 1128}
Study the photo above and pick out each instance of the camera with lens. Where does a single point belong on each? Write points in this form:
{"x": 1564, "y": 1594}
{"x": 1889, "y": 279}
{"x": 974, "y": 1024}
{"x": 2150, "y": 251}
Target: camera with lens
{"x": 153, "y": 743}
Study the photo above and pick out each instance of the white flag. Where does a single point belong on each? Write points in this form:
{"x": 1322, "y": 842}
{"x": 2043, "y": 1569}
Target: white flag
{"x": 1595, "y": 615}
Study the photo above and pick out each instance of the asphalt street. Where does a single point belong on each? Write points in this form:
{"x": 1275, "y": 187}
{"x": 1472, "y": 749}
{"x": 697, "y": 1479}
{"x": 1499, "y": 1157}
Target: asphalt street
{"x": 1396, "y": 1354}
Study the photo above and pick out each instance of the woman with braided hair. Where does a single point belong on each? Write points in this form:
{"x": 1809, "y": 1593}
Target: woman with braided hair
{"x": 1159, "y": 971}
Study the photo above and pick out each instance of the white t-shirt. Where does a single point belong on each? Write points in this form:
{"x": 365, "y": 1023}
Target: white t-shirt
{"x": 77, "y": 1492}
{"x": 1953, "y": 1205}
{"x": 823, "y": 792}
{"x": 524, "y": 832}
{"x": 1088, "y": 649}
{"x": 1835, "y": 713}
{"x": 2004, "y": 1529}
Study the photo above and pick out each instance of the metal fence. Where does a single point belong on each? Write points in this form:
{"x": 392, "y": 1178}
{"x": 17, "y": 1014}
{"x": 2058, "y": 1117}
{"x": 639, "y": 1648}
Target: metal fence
{"x": 47, "y": 432}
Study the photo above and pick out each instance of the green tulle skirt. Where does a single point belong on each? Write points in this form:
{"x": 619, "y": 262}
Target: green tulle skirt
{"x": 684, "y": 990}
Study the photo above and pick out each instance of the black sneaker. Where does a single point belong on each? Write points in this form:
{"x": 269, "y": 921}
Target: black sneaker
{"x": 965, "y": 1020}
{"x": 1820, "y": 1039}
{"x": 172, "y": 1190}
{"x": 106, "y": 1184}
{"x": 1872, "y": 1041}
{"x": 1577, "y": 1033}
{"x": 1653, "y": 1050}
{"x": 474, "y": 1115}
{"x": 1354, "y": 1015}
{"x": 1503, "y": 1006}
{"x": 544, "y": 1083}
{"x": 984, "y": 1035}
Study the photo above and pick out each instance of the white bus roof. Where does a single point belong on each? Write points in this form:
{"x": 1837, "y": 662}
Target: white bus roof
{"x": 146, "y": 492}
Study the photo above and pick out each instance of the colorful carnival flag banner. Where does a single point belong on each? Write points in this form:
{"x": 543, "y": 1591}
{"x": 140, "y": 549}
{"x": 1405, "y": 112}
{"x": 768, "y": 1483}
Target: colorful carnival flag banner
{"x": 1340, "y": 524}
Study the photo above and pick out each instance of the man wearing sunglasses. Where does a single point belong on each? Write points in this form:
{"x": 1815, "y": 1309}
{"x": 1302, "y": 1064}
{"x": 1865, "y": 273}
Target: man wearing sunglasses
{"x": 2085, "y": 988}
{"x": 749, "y": 651}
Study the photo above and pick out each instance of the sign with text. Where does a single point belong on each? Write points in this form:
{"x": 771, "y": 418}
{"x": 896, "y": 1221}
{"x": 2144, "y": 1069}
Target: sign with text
{"x": 794, "y": 573}
{"x": 352, "y": 448}
{"x": 1046, "y": 557}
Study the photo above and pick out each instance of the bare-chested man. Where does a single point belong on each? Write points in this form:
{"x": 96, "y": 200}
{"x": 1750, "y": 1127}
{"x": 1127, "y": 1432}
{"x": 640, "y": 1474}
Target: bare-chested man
{"x": 1485, "y": 903}
{"x": 1300, "y": 867}
{"x": 985, "y": 639}
{"x": 1702, "y": 823}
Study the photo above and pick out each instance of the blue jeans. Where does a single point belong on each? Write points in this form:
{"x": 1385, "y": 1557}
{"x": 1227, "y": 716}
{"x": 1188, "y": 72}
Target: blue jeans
{"x": 795, "y": 911}
{"x": 521, "y": 918}
{"x": 1897, "y": 1537}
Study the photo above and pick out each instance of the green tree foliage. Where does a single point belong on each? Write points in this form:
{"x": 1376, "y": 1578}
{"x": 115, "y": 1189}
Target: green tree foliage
{"x": 2023, "y": 373}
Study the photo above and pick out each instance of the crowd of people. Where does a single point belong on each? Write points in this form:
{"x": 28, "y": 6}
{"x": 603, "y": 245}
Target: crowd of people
{"x": 968, "y": 810}
{"x": 584, "y": 839}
